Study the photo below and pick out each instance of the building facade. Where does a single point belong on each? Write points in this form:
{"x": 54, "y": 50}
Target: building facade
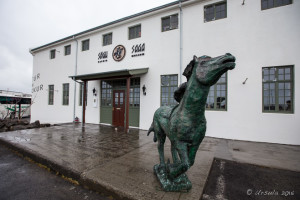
{"x": 131, "y": 66}
{"x": 14, "y": 104}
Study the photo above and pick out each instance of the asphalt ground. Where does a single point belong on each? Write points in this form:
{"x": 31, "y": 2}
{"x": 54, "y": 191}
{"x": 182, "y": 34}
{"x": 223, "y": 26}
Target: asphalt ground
{"x": 22, "y": 179}
{"x": 240, "y": 181}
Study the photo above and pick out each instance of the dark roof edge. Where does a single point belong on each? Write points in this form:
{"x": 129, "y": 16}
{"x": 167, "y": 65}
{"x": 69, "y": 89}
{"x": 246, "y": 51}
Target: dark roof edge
{"x": 110, "y": 23}
{"x": 109, "y": 74}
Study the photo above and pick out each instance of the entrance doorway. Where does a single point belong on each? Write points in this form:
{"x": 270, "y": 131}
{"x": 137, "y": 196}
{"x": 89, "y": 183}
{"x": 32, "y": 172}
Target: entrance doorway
{"x": 108, "y": 87}
{"x": 118, "y": 107}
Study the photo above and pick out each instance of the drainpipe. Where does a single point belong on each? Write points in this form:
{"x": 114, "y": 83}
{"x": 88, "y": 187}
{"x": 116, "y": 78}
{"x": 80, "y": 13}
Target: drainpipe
{"x": 180, "y": 44}
{"x": 76, "y": 54}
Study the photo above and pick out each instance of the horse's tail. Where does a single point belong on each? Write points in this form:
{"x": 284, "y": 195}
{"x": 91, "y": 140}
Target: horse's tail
{"x": 151, "y": 129}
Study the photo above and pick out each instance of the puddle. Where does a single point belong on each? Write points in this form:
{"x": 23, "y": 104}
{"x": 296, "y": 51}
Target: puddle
{"x": 19, "y": 139}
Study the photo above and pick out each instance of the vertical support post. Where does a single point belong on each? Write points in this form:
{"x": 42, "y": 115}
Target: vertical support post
{"x": 180, "y": 41}
{"x": 127, "y": 104}
{"x": 19, "y": 111}
{"x": 84, "y": 103}
{"x": 15, "y": 110}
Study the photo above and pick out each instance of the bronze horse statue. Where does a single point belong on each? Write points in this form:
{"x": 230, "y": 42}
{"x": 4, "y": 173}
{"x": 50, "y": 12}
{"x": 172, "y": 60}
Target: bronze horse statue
{"x": 185, "y": 123}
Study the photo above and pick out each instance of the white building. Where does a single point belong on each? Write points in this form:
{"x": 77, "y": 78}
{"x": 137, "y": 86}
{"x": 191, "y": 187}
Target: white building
{"x": 257, "y": 101}
{"x": 14, "y": 104}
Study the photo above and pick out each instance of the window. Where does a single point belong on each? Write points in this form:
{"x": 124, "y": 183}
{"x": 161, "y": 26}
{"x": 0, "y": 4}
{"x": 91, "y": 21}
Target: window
{"x": 215, "y": 11}
{"x": 52, "y": 54}
{"x": 66, "y": 94}
{"x": 106, "y": 93}
{"x": 67, "y": 50}
{"x": 135, "y": 32}
{"x": 134, "y": 95}
{"x": 169, "y": 84}
{"x": 217, "y": 96}
{"x": 107, "y": 39}
{"x": 267, "y": 4}
{"x": 277, "y": 88}
{"x": 81, "y": 93}
{"x": 169, "y": 23}
{"x": 50, "y": 94}
{"x": 85, "y": 45}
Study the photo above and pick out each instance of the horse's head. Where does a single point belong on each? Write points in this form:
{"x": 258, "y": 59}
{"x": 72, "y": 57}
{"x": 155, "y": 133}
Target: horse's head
{"x": 209, "y": 70}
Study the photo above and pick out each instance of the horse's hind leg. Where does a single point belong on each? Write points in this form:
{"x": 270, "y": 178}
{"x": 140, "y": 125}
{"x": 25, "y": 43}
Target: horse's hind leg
{"x": 160, "y": 145}
{"x": 174, "y": 153}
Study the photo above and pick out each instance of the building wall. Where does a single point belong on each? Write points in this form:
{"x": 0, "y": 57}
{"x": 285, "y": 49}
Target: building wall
{"x": 257, "y": 38}
{"x": 55, "y": 72}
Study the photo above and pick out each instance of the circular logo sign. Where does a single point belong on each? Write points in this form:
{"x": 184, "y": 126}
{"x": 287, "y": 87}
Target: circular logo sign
{"x": 119, "y": 53}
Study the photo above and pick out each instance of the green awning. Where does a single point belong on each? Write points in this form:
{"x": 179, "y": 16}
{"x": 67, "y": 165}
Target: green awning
{"x": 14, "y": 100}
{"x": 111, "y": 74}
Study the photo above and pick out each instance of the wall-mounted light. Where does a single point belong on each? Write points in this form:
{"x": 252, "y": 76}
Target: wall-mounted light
{"x": 144, "y": 89}
{"x": 94, "y": 92}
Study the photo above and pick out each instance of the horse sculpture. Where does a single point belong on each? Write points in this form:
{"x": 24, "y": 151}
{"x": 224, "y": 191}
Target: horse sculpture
{"x": 185, "y": 123}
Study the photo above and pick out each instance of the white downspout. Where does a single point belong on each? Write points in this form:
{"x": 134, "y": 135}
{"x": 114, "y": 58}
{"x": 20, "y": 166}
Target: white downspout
{"x": 180, "y": 45}
{"x": 76, "y": 54}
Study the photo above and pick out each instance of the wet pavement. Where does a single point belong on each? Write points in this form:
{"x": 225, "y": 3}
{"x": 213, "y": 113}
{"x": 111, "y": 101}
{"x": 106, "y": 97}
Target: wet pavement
{"x": 121, "y": 164}
{"x": 22, "y": 179}
{"x": 233, "y": 180}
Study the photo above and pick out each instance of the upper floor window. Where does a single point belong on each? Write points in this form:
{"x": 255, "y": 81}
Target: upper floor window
{"x": 135, "y": 32}
{"x": 169, "y": 23}
{"x": 169, "y": 84}
{"x": 107, "y": 39}
{"x": 217, "y": 96}
{"x": 85, "y": 45}
{"x": 52, "y": 54}
{"x": 215, "y": 11}
{"x": 278, "y": 84}
{"x": 267, "y": 4}
{"x": 67, "y": 50}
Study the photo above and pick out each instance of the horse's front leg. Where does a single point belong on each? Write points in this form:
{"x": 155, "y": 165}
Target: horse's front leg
{"x": 192, "y": 153}
{"x": 174, "y": 170}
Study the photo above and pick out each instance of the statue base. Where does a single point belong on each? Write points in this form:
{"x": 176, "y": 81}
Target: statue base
{"x": 179, "y": 184}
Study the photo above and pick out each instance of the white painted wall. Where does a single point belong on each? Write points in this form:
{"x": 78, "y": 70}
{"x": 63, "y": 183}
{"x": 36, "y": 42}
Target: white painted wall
{"x": 52, "y": 71}
{"x": 257, "y": 38}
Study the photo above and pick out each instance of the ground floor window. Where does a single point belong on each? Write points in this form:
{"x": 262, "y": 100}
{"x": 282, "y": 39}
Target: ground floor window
{"x": 106, "y": 93}
{"x": 169, "y": 83}
{"x": 108, "y": 86}
{"x": 66, "y": 94}
{"x": 277, "y": 88}
{"x": 81, "y": 94}
{"x": 134, "y": 95}
{"x": 217, "y": 96}
{"x": 51, "y": 94}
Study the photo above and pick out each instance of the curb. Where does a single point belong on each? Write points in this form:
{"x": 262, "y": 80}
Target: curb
{"x": 67, "y": 172}
{"x": 105, "y": 189}
{"x": 35, "y": 156}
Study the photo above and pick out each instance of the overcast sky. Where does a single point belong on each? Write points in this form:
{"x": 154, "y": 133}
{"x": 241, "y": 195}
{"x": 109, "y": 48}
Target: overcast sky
{"x": 27, "y": 24}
